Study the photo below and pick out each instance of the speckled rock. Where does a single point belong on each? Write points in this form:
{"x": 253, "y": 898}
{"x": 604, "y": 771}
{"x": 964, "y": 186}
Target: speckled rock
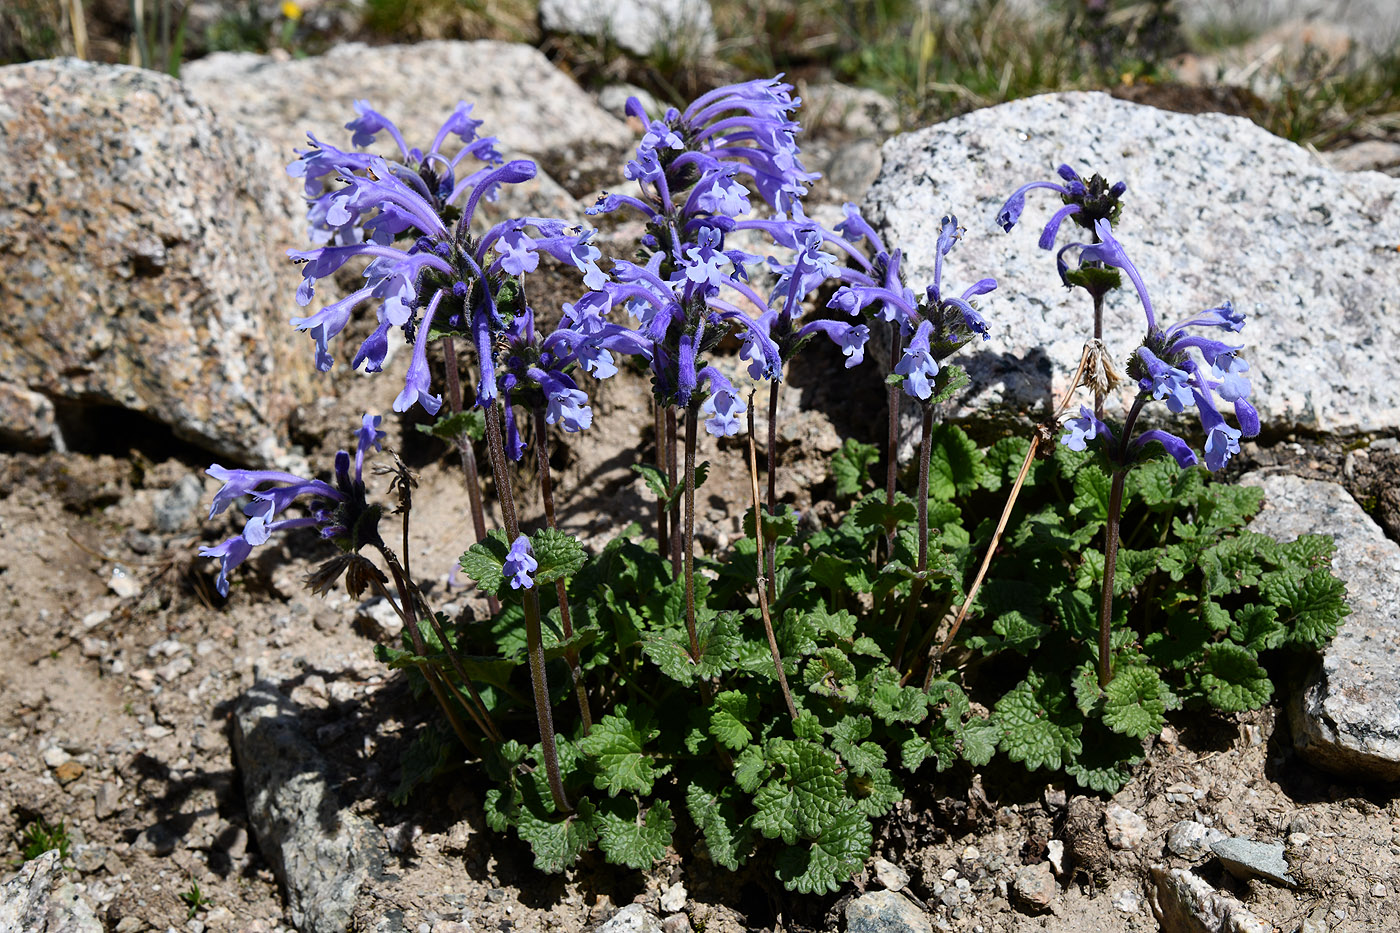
{"x": 1035, "y": 887}
{"x": 1184, "y": 903}
{"x": 1246, "y": 858}
{"x": 137, "y": 246}
{"x": 528, "y": 104}
{"x": 642, "y": 27}
{"x": 40, "y": 897}
{"x": 1216, "y": 209}
{"x": 885, "y": 912}
{"x": 634, "y": 918}
{"x": 26, "y": 418}
{"x": 1346, "y": 717}
{"x": 322, "y": 853}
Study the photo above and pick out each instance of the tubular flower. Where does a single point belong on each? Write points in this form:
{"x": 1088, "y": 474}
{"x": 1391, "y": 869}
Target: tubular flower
{"x": 1086, "y": 202}
{"x": 1185, "y": 369}
{"x": 520, "y": 564}
{"x": 411, "y": 221}
{"x": 339, "y": 511}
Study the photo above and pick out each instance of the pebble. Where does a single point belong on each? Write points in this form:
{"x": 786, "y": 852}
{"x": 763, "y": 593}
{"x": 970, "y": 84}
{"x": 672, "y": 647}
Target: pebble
{"x": 633, "y": 918}
{"x": 1128, "y": 901}
{"x": 1378, "y": 889}
{"x": 89, "y": 857}
{"x": 68, "y": 772}
{"x": 123, "y": 583}
{"x": 676, "y": 923}
{"x": 1245, "y": 858}
{"x": 890, "y": 876}
{"x": 106, "y": 800}
{"x": 673, "y": 898}
{"x": 1191, "y": 840}
{"x": 1055, "y": 851}
{"x": 1124, "y": 827}
{"x": 971, "y": 854}
{"x": 95, "y": 618}
{"x": 885, "y": 912}
{"x": 55, "y": 756}
{"x": 1035, "y": 886}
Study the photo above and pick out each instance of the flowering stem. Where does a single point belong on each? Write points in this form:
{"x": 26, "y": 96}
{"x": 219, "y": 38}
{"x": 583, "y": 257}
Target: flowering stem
{"x": 671, "y": 474}
{"x": 1098, "y": 335}
{"x": 689, "y": 541}
{"x": 1110, "y": 548}
{"x": 763, "y": 542}
{"x": 467, "y": 452}
{"x": 663, "y": 538}
{"x": 547, "y": 493}
{"x": 534, "y": 643}
{"x": 762, "y": 584}
{"x": 921, "y": 497}
{"x": 892, "y": 439}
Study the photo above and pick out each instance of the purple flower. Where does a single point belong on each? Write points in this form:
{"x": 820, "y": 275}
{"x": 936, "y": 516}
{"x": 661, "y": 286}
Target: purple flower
{"x": 1087, "y": 202}
{"x": 722, "y": 409}
{"x": 1079, "y": 431}
{"x": 918, "y": 367}
{"x": 339, "y": 511}
{"x": 520, "y": 563}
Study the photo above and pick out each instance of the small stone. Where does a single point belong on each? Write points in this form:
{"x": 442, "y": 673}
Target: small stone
{"x": 970, "y": 854}
{"x": 95, "y": 618}
{"x": 1313, "y": 925}
{"x": 156, "y": 840}
{"x": 676, "y": 923}
{"x": 1191, "y": 840}
{"x": 106, "y": 800}
{"x": 1245, "y": 858}
{"x": 1297, "y": 840}
{"x": 40, "y": 897}
{"x": 1378, "y": 889}
{"x": 1035, "y": 887}
{"x": 89, "y": 857}
{"x": 673, "y": 898}
{"x": 885, "y": 912}
{"x": 1127, "y": 900}
{"x": 68, "y": 772}
{"x": 634, "y": 918}
{"x": 890, "y": 876}
{"x": 1183, "y": 901}
{"x": 1055, "y": 852}
{"x": 1124, "y": 827}
{"x": 54, "y": 756}
{"x": 123, "y": 583}
{"x": 178, "y": 505}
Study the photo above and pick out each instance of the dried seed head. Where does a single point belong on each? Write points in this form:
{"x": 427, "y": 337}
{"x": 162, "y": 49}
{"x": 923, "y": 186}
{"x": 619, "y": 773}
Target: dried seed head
{"x": 1101, "y": 374}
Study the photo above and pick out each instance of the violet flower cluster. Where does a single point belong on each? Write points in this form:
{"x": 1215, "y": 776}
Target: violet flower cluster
{"x": 1085, "y": 202}
{"x": 936, "y": 327}
{"x": 1166, "y": 370}
{"x": 338, "y": 511}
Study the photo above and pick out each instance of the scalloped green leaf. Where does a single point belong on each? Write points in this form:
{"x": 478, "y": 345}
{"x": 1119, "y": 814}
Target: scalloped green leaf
{"x": 850, "y": 466}
{"x": 1310, "y": 608}
{"x": 556, "y": 839}
{"x": 848, "y": 740}
{"x": 615, "y": 748}
{"x": 710, "y": 801}
{"x": 803, "y": 793}
{"x": 833, "y": 857}
{"x": 558, "y": 554}
{"x": 730, "y": 716}
{"x": 956, "y": 465}
{"x": 1233, "y": 679}
{"x": 1037, "y": 724}
{"x": 627, "y": 838}
{"x": 483, "y": 561}
{"x": 1135, "y": 702}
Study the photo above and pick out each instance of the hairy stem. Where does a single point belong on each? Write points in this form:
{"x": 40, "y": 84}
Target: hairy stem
{"x": 892, "y": 435}
{"x": 1110, "y": 560}
{"x": 762, "y": 584}
{"x": 547, "y": 493}
{"x": 663, "y": 537}
{"x": 1098, "y": 335}
{"x": 466, "y": 451}
{"x": 771, "y": 547}
{"x": 671, "y": 474}
{"x": 911, "y": 608}
{"x": 689, "y": 540}
{"x": 534, "y": 642}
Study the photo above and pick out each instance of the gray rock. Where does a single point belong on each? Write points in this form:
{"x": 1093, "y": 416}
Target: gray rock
{"x": 681, "y": 28}
{"x": 39, "y": 897}
{"x": 527, "y": 103}
{"x": 1345, "y": 718}
{"x": 853, "y": 168}
{"x": 673, "y": 898}
{"x": 1245, "y": 859}
{"x": 322, "y": 852}
{"x": 614, "y": 97}
{"x": 634, "y": 918}
{"x": 1035, "y": 887}
{"x": 89, "y": 857}
{"x": 890, "y": 876}
{"x": 1183, "y": 903}
{"x": 27, "y": 418}
{"x": 177, "y": 506}
{"x": 137, "y": 245}
{"x": 885, "y": 912}
{"x": 1125, "y": 828}
{"x": 107, "y": 800}
{"x": 1217, "y": 208}
{"x": 1191, "y": 840}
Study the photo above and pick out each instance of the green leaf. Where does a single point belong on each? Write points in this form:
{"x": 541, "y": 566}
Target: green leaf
{"x": 777, "y": 527}
{"x": 955, "y": 465}
{"x": 720, "y": 648}
{"x": 452, "y": 425}
{"x": 892, "y": 703}
{"x": 1003, "y": 463}
{"x": 710, "y": 801}
{"x": 1107, "y": 761}
{"x": 874, "y": 793}
{"x": 484, "y": 560}
{"x": 1257, "y": 627}
{"x": 627, "y": 839}
{"x": 1091, "y": 489}
{"x": 1135, "y": 702}
{"x": 614, "y": 749}
{"x": 1038, "y": 726}
{"x": 803, "y": 793}
{"x": 429, "y": 755}
{"x": 872, "y": 512}
{"x": 559, "y": 555}
{"x": 729, "y": 715}
{"x": 655, "y": 479}
{"x": 1233, "y": 680}
{"x": 951, "y": 380}
{"x": 556, "y": 839}
{"x": 850, "y": 466}
{"x": 751, "y": 769}
{"x": 830, "y": 861}
{"x": 848, "y": 739}
{"x": 830, "y": 673}
{"x": 1310, "y": 609}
